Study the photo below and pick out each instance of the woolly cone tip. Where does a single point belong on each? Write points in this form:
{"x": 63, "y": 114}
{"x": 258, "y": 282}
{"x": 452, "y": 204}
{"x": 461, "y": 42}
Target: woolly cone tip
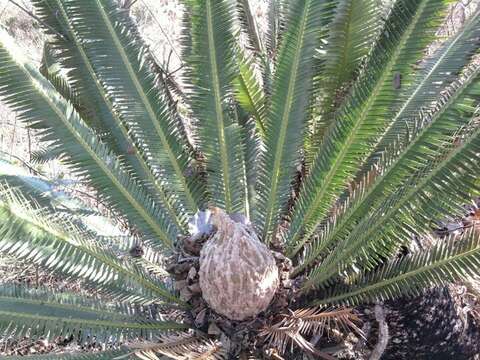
{"x": 238, "y": 273}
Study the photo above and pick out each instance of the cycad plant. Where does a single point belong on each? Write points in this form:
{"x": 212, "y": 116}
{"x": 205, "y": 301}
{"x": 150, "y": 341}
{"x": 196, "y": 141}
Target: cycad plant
{"x": 313, "y": 155}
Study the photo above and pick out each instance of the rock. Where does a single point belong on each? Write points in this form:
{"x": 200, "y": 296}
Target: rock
{"x": 287, "y": 283}
{"x": 198, "y": 304}
{"x": 180, "y": 284}
{"x": 136, "y": 251}
{"x": 185, "y": 294}
{"x": 200, "y": 318}
{"x": 195, "y": 288}
{"x": 213, "y": 329}
{"x": 192, "y": 273}
{"x": 279, "y": 256}
{"x": 170, "y": 268}
{"x": 182, "y": 268}
{"x": 192, "y": 246}
{"x": 43, "y": 343}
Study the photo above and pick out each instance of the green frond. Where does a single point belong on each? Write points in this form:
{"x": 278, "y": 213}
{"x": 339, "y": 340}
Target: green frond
{"x": 176, "y": 101}
{"x": 41, "y": 313}
{"x": 451, "y": 260}
{"x": 67, "y": 67}
{"x": 252, "y": 148}
{"x": 102, "y": 355}
{"x": 438, "y": 71}
{"x": 249, "y": 93}
{"x": 365, "y": 113}
{"x": 26, "y": 91}
{"x": 400, "y": 160}
{"x": 68, "y": 79}
{"x": 443, "y": 178}
{"x": 52, "y": 70}
{"x": 181, "y": 346}
{"x": 351, "y": 36}
{"x": 272, "y": 38}
{"x": 44, "y": 155}
{"x": 250, "y": 26}
{"x": 251, "y": 115}
{"x": 39, "y": 191}
{"x": 274, "y": 27}
{"x": 287, "y": 115}
{"x": 136, "y": 112}
{"x": 57, "y": 244}
{"x": 43, "y": 194}
{"x": 209, "y": 53}
{"x": 51, "y": 196}
{"x": 335, "y": 134}
{"x": 146, "y": 262}
{"x": 83, "y": 88}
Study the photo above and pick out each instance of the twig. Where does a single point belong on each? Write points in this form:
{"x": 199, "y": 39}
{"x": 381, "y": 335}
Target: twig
{"x": 163, "y": 31}
{"x": 362, "y": 341}
{"x": 383, "y": 336}
{"x": 35, "y": 17}
{"x": 12, "y": 144}
{"x": 174, "y": 71}
{"x": 127, "y": 4}
{"x": 3, "y": 11}
{"x": 25, "y": 163}
{"x": 29, "y": 145}
{"x": 167, "y": 66}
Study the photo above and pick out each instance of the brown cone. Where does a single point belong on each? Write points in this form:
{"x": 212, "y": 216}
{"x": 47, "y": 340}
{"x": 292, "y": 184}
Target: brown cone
{"x": 238, "y": 274}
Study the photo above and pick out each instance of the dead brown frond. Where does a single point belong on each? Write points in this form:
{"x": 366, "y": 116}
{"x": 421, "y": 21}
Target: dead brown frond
{"x": 216, "y": 351}
{"x": 294, "y": 327}
{"x": 180, "y": 346}
{"x": 314, "y": 321}
{"x": 280, "y": 336}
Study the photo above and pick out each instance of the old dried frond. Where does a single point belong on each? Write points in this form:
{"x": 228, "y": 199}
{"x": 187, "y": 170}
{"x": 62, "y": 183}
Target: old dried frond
{"x": 181, "y": 346}
{"x": 293, "y": 328}
{"x": 315, "y": 321}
